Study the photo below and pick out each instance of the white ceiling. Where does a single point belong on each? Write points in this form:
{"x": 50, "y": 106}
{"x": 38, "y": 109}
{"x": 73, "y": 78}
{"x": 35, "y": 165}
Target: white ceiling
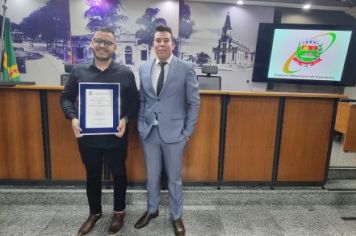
{"x": 338, "y": 5}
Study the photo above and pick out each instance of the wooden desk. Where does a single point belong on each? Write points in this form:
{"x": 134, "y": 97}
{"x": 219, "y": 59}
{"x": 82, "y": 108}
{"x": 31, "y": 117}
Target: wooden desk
{"x": 267, "y": 138}
{"x": 346, "y": 124}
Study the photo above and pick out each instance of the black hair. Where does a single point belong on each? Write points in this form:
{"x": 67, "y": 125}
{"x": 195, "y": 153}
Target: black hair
{"x": 164, "y": 28}
{"x": 106, "y": 30}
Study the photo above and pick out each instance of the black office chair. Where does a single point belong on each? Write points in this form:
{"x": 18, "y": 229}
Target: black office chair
{"x": 209, "y": 81}
{"x": 68, "y": 68}
{"x": 64, "y": 77}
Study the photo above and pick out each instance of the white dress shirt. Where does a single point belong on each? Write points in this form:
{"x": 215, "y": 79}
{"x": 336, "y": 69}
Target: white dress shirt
{"x": 156, "y": 70}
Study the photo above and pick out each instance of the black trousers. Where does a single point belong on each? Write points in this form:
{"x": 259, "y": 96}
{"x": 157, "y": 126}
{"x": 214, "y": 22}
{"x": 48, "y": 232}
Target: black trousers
{"x": 92, "y": 158}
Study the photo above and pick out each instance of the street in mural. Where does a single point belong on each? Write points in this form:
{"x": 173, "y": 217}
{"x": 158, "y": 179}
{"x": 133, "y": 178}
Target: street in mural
{"x": 41, "y": 39}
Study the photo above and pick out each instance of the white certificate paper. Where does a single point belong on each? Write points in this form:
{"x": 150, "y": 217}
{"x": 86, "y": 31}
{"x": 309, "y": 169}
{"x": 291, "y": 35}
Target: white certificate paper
{"x": 99, "y": 108}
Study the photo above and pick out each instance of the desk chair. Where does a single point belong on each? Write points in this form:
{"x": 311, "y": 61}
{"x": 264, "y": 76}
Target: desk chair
{"x": 64, "y": 77}
{"x": 209, "y": 81}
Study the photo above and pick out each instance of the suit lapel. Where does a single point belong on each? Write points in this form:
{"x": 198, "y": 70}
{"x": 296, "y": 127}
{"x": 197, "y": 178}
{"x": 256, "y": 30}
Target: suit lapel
{"x": 148, "y": 80}
{"x": 169, "y": 74}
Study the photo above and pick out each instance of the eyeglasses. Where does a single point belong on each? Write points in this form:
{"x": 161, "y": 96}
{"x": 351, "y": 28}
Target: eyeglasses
{"x": 104, "y": 42}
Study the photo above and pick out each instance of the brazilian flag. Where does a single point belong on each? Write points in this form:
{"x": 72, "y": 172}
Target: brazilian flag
{"x": 10, "y": 70}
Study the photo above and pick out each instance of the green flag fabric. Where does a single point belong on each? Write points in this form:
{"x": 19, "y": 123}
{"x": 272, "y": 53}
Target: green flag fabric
{"x": 10, "y": 70}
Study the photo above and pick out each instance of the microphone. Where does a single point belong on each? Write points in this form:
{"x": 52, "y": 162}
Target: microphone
{"x": 249, "y": 85}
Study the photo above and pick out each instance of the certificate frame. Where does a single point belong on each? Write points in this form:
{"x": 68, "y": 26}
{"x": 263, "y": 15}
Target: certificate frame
{"x": 84, "y": 88}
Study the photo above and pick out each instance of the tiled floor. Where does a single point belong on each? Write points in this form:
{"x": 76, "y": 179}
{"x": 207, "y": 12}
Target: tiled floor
{"x": 339, "y": 158}
{"x": 199, "y": 220}
{"x": 252, "y": 212}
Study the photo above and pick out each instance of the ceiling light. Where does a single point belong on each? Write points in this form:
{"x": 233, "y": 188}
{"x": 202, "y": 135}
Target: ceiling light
{"x": 306, "y": 6}
{"x": 240, "y": 2}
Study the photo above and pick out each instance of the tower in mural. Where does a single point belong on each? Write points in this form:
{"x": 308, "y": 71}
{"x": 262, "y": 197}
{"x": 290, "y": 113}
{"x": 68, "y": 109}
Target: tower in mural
{"x": 230, "y": 51}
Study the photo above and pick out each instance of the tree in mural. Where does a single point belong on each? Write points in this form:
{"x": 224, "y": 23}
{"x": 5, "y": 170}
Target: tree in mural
{"x": 202, "y": 58}
{"x": 104, "y": 13}
{"x": 31, "y": 25}
{"x": 13, "y": 25}
{"x": 49, "y": 24}
{"x": 185, "y": 23}
{"x": 148, "y": 23}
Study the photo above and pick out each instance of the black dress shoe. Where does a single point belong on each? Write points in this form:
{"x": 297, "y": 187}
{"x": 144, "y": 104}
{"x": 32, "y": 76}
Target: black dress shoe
{"x": 178, "y": 226}
{"x": 117, "y": 222}
{"x": 145, "y": 219}
{"x": 88, "y": 225}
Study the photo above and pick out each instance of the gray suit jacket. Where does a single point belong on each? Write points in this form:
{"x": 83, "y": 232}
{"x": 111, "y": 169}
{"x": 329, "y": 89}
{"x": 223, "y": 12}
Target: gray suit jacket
{"x": 177, "y": 107}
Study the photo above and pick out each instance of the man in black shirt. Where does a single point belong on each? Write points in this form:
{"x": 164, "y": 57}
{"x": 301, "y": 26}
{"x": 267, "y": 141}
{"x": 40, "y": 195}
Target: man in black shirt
{"x": 93, "y": 148}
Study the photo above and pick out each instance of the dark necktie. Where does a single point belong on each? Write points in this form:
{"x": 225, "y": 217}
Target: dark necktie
{"x": 160, "y": 78}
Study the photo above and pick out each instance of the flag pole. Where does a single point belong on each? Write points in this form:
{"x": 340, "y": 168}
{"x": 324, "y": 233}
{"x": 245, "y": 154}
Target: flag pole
{"x": 4, "y": 8}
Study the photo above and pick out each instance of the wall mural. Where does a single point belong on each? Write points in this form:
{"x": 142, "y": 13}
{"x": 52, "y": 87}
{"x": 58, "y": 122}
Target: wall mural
{"x": 49, "y": 33}
{"x": 132, "y": 22}
{"x": 45, "y": 38}
{"x": 224, "y": 35}
{"x": 40, "y": 31}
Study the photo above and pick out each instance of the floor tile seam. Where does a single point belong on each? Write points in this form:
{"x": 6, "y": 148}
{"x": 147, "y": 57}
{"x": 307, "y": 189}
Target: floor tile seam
{"x": 222, "y": 223}
{"x": 48, "y": 223}
{"x": 197, "y": 191}
{"x": 331, "y": 222}
{"x": 275, "y": 221}
{"x": 167, "y": 213}
{"x": 210, "y": 207}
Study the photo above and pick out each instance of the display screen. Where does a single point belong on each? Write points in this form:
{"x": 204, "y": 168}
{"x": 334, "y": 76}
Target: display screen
{"x": 308, "y": 54}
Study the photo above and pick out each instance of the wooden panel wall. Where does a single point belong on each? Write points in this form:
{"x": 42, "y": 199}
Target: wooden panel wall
{"x": 65, "y": 159}
{"x": 202, "y": 152}
{"x": 249, "y": 146}
{"x": 305, "y": 139}
{"x": 201, "y": 155}
{"x": 345, "y": 123}
{"x": 135, "y": 164}
{"x": 250, "y": 138}
{"x": 350, "y": 137}
{"x": 343, "y": 117}
{"x": 21, "y": 144}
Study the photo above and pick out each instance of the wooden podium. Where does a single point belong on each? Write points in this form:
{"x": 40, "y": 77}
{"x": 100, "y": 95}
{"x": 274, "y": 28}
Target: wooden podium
{"x": 346, "y": 124}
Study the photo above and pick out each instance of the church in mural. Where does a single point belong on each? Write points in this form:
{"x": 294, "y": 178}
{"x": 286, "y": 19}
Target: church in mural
{"x": 230, "y": 51}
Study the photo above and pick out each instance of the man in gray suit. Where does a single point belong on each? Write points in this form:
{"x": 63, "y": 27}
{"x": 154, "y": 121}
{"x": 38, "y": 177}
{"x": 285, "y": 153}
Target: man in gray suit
{"x": 168, "y": 112}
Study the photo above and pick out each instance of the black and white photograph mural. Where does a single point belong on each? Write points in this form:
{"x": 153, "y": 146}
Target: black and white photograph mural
{"x": 40, "y": 32}
{"x": 132, "y": 21}
{"x": 49, "y": 33}
{"x": 224, "y": 35}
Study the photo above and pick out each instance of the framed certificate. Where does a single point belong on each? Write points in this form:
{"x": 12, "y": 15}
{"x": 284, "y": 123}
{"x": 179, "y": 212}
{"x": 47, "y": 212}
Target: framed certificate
{"x": 99, "y": 108}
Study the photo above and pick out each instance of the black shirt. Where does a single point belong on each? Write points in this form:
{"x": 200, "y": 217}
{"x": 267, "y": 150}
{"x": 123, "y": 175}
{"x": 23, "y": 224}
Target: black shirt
{"x": 115, "y": 73}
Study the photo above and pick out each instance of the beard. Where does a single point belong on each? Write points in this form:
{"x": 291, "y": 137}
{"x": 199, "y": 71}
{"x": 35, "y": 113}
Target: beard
{"x": 98, "y": 55}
